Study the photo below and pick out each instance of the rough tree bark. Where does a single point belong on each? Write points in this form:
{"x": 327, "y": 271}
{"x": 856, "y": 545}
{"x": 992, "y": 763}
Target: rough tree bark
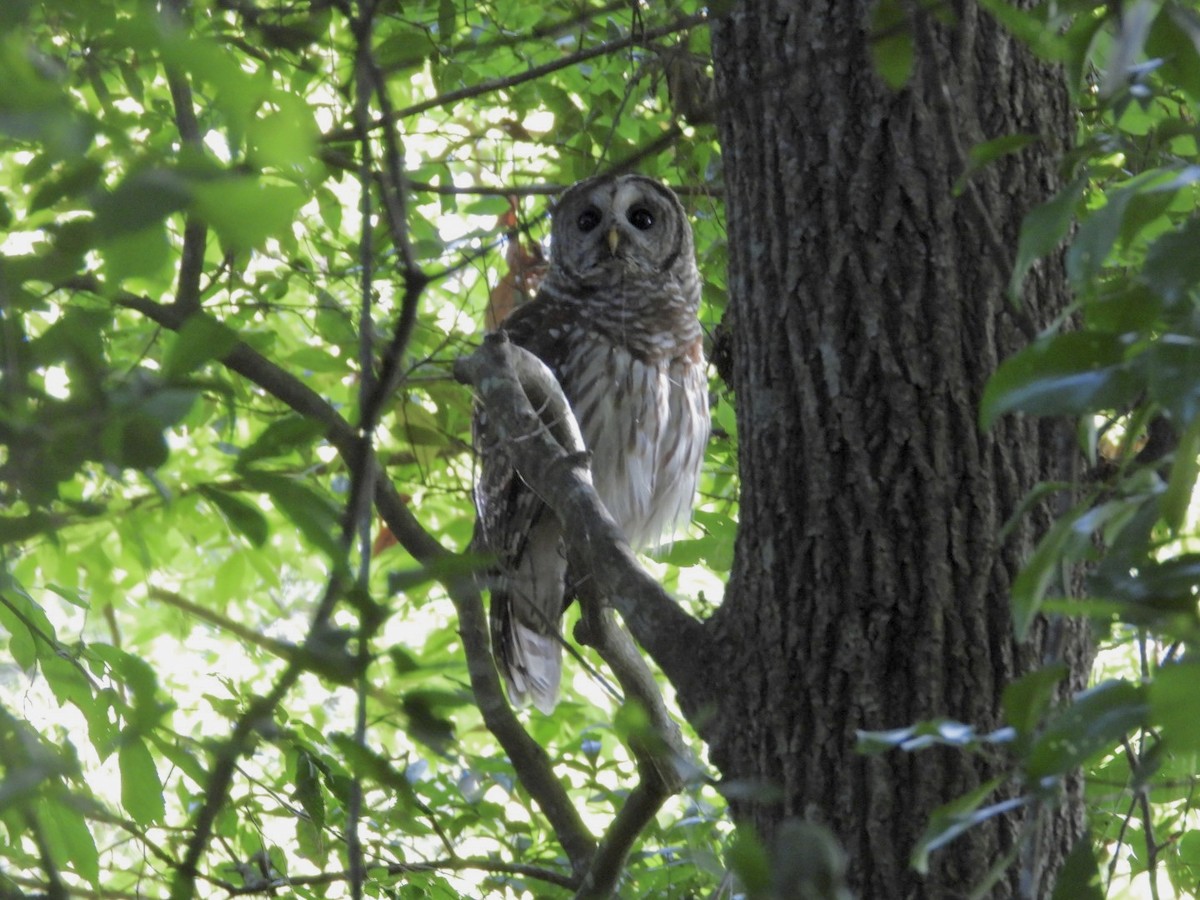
{"x": 867, "y": 309}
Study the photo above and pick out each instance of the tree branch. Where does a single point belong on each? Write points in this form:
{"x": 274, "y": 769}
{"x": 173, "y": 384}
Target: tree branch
{"x": 529, "y": 759}
{"x": 370, "y": 405}
{"x": 660, "y": 752}
{"x": 393, "y": 185}
{"x": 503, "y": 376}
{"x": 195, "y": 232}
{"x": 438, "y": 865}
{"x": 640, "y": 807}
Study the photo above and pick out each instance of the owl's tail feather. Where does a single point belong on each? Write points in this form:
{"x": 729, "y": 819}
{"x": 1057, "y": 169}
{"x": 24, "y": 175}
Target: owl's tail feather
{"x": 533, "y": 667}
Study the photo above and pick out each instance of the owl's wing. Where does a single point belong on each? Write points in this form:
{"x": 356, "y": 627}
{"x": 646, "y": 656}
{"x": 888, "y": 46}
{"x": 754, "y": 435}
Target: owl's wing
{"x": 525, "y": 539}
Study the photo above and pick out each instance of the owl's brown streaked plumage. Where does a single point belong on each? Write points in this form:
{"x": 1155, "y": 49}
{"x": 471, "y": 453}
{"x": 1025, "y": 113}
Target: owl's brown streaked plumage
{"x": 615, "y": 321}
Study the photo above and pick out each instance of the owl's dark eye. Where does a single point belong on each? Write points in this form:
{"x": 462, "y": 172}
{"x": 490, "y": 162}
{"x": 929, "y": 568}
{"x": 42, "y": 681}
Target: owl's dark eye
{"x": 640, "y": 218}
{"x": 588, "y": 219}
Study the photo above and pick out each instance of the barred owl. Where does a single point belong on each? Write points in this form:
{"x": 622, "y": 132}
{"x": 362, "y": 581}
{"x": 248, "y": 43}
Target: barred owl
{"x": 615, "y": 321}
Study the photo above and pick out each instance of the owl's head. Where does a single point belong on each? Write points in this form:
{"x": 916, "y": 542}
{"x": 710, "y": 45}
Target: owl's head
{"x": 614, "y": 226}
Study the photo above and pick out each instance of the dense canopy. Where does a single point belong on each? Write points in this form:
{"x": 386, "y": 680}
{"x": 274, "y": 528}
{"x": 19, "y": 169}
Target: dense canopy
{"x": 242, "y": 245}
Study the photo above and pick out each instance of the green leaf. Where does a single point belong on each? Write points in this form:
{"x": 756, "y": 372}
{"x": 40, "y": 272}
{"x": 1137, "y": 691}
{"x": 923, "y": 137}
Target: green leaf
{"x": 74, "y": 180}
{"x": 1099, "y": 231}
{"x": 748, "y": 858}
{"x": 979, "y": 156}
{"x": 892, "y": 43}
{"x": 1121, "y": 306}
{"x": 953, "y": 818}
{"x": 1079, "y": 877}
{"x": 141, "y": 789}
{"x": 1183, "y": 865}
{"x": 140, "y": 254}
{"x": 404, "y": 49}
{"x": 134, "y": 442}
{"x": 365, "y": 762}
{"x": 243, "y": 517}
{"x": 1182, "y": 482}
{"x": 21, "y": 644}
{"x": 1172, "y": 267}
{"x": 307, "y": 789}
{"x": 1042, "y": 229}
{"x": 1027, "y": 699}
{"x": 1092, "y": 725}
{"x": 198, "y": 340}
{"x": 142, "y": 200}
{"x": 245, "y": 211}
{"x": 308, "y": 510}
{"x": 69, "y": 839}
{"x": 66, "y": 681}
{"x": 285, "y": 139}
{"x": 1159, "y": 593}
{"x": 447, "y": 14}
{"x": 1173, "y": 39}
{"x": 282, "y": 436}
{"x": 1066, "y": 374}
{"x": 181, "y": 758}
{"x": 425, "y": 721}
{"x": 1068, "y": 539}
{"x": 139, "y": 677}
{"x": 1173, "y": 706}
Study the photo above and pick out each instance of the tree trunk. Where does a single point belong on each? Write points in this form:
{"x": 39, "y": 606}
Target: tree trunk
{"x": 867, "y": 310}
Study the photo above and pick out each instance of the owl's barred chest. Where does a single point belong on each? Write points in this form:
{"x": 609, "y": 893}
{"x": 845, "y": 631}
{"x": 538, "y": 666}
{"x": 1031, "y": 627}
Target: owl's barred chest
{"x": 645, "y": 422}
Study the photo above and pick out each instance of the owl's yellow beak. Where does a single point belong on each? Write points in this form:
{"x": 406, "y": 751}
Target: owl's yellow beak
{"x": 614, "y": 238}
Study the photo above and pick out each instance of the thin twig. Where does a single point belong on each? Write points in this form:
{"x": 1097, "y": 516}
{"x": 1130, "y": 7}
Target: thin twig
{"x": 216, "y": 791}
{"x": 195, "y": 232}
{"x": 360, "y": 513}
{"x": 55, "y": 889}
{"x": 1142, "y": 801}
{"x": 453, "y": 864}
{"x": 395, "y": 197}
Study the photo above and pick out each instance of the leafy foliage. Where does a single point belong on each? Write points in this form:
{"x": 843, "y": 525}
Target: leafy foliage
{"x": 213, "y": 217}
{"x": 194, "y": 673}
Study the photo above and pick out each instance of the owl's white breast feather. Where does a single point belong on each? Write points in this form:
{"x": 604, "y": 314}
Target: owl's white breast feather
{"x": 646, "y": 425}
